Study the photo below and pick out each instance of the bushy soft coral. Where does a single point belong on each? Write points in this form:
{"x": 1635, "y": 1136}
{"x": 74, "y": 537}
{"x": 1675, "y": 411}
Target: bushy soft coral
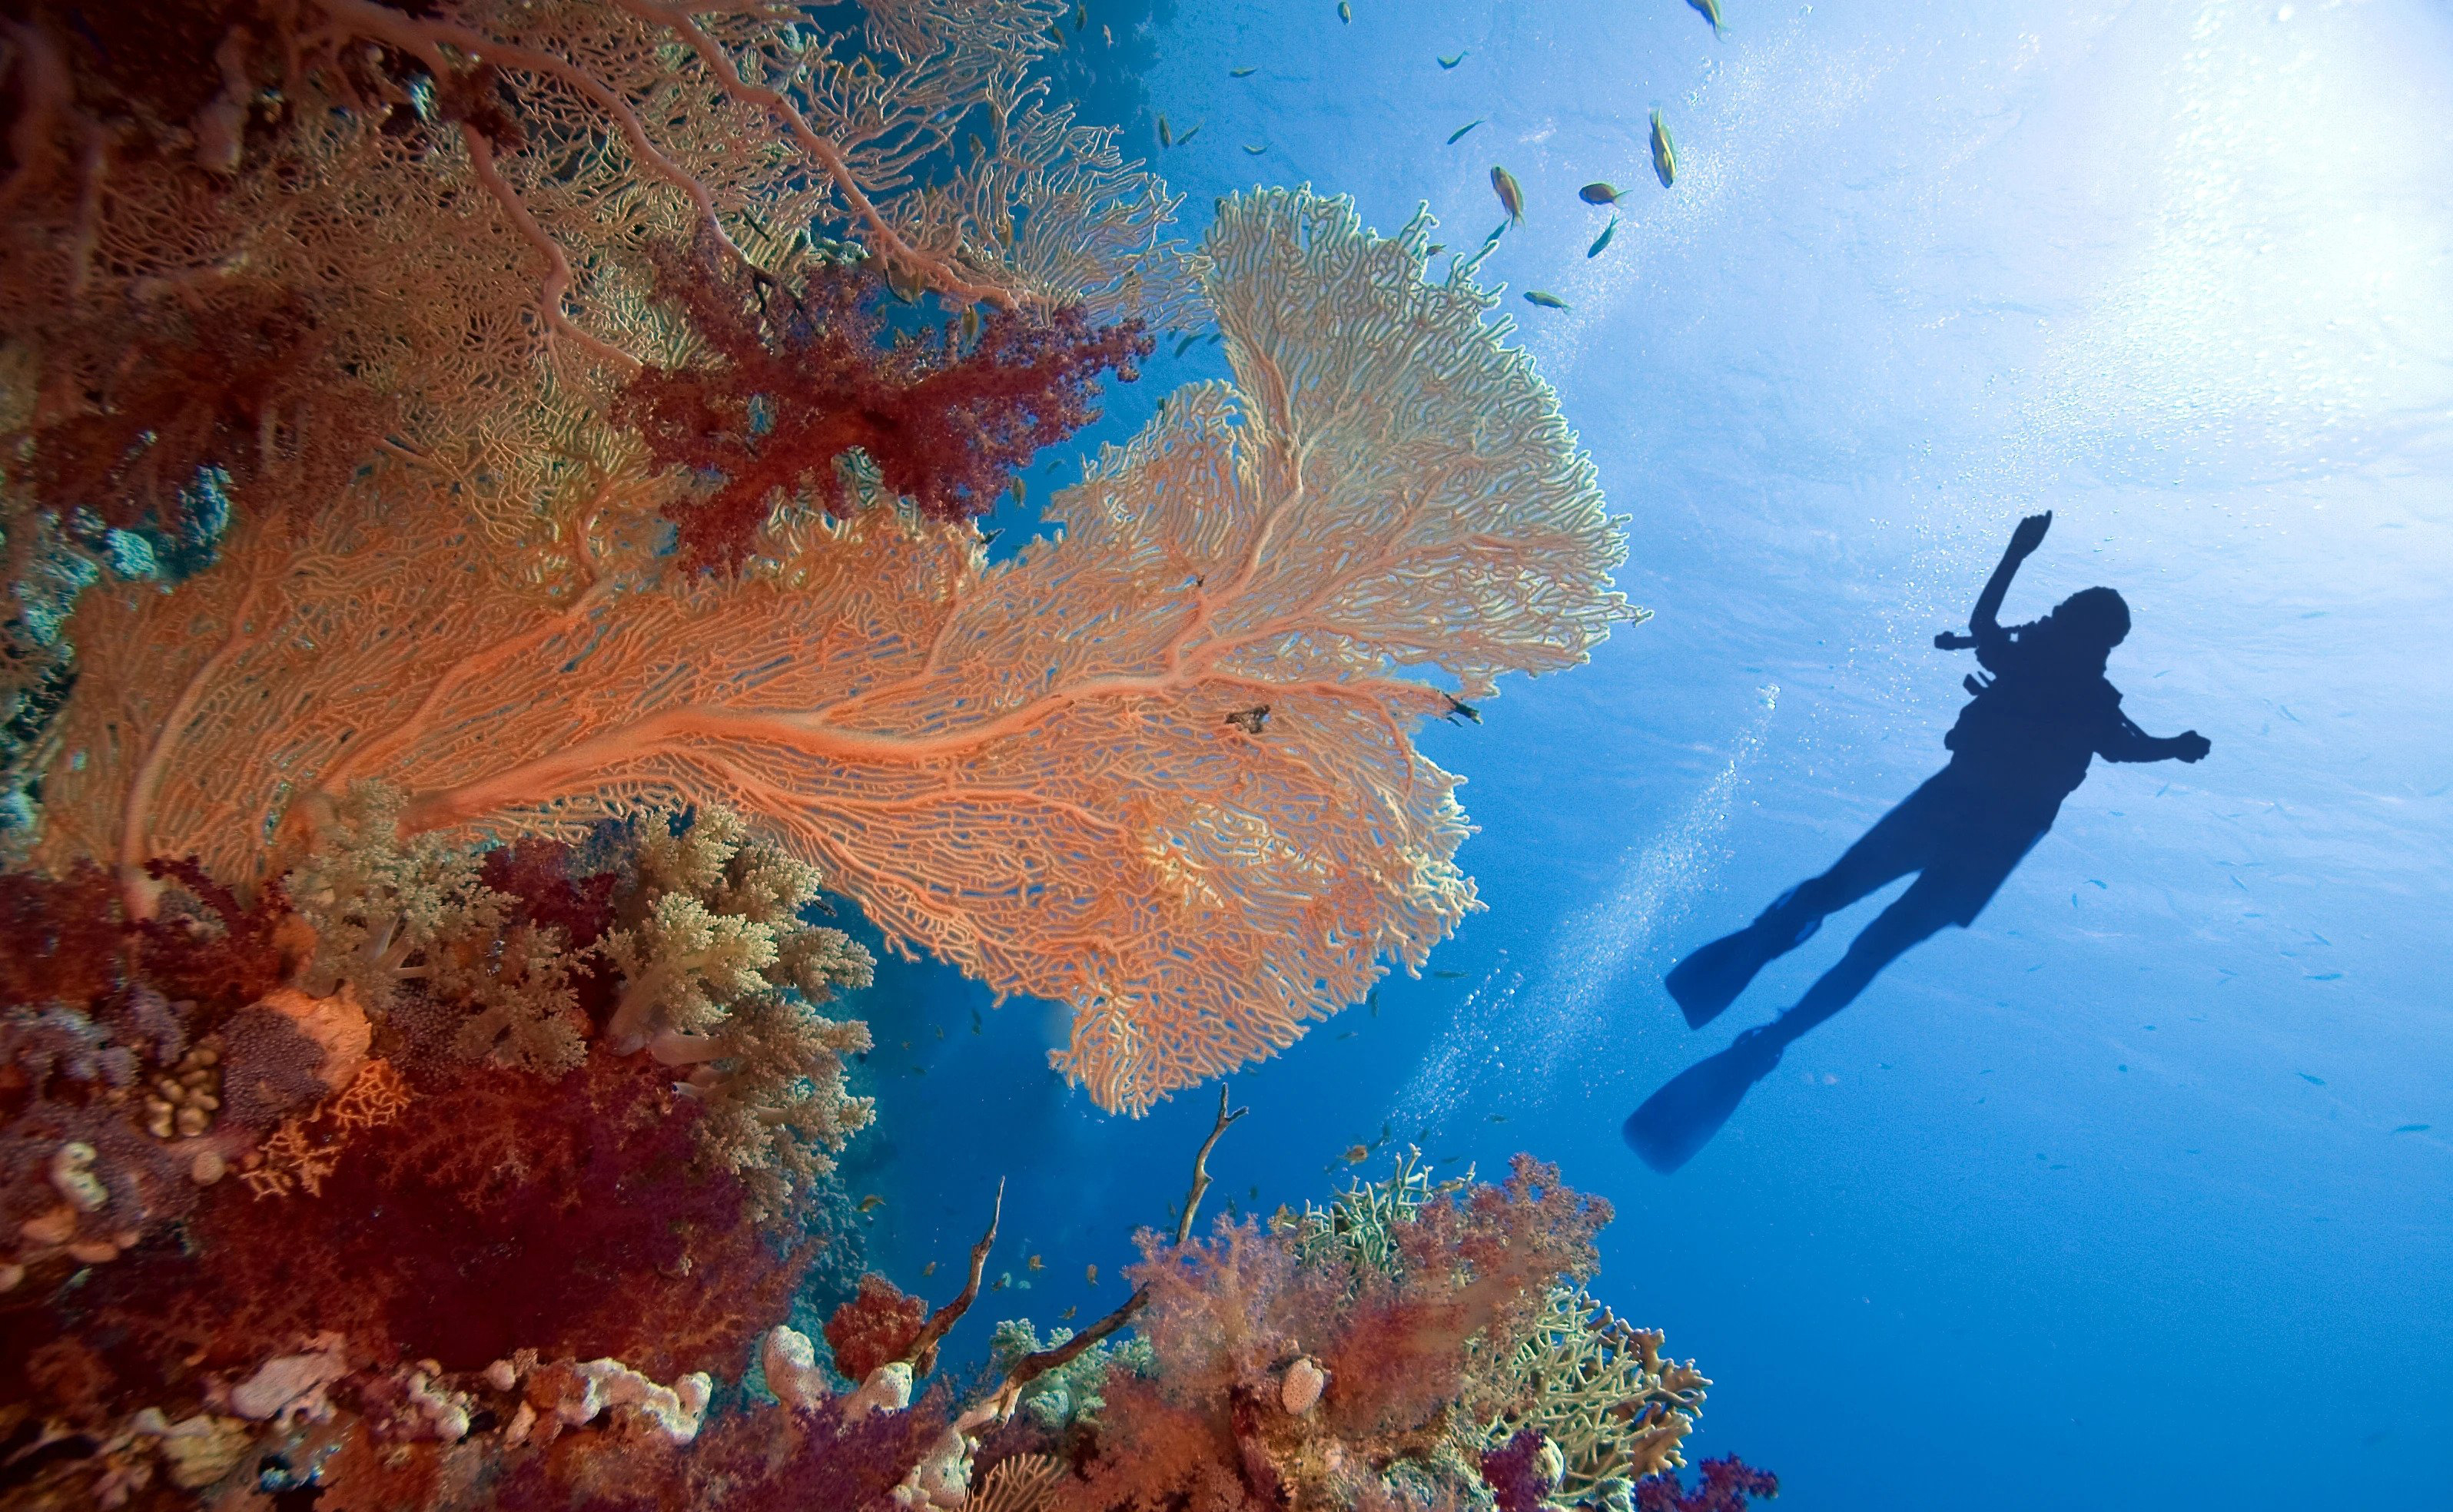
{"x": 876, "y": 1326}
{"x": 1416, "y": 1298}
{"x": 501, "y": 1212}
{"x": 64, "y": 935}
{"x": 772, "y": 1083}
{"x": 802, "y": 375}
{"x": 139, "y": 406}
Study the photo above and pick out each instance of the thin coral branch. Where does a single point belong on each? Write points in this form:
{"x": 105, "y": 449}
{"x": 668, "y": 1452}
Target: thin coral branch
{"x": 922, "y": 1356}
{"x": 558, "y": 275}
{"x": 1201, "y": 1166}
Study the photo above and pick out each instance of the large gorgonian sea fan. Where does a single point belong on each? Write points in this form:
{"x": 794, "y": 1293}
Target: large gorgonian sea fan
{"x": 1053, "y": 771}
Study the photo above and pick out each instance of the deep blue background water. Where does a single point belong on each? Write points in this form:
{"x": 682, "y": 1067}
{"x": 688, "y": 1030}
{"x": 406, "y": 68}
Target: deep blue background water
{"x": 2098, "y": 1204}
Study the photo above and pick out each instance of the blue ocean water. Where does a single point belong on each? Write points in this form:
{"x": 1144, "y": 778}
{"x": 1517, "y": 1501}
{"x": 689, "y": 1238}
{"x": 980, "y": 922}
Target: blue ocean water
{"x": 2140, "y": 1192}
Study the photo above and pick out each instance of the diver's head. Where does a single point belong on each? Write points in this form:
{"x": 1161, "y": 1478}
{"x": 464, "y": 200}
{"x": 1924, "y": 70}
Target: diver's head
{"x": 2094, "y": 617}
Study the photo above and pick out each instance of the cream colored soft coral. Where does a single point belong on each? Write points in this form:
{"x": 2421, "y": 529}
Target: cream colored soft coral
{"x": 716, "y": 925}
{"x": 721, "y": 976}
{"x": 388, "y": 911}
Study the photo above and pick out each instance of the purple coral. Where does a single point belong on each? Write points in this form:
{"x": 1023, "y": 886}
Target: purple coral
{"x": 1519, "y": 1481}
{"x": 1727, "y": 1486}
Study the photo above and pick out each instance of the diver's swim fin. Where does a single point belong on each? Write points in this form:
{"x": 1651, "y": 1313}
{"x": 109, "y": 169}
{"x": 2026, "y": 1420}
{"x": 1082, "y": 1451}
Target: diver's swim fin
{"x": 1711, "y": 980}
{"x": 1680, "y": 1119}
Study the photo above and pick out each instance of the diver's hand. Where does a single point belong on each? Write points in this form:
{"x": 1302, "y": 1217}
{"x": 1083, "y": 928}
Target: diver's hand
{"x": 2030, "y": 533}
{"x": 2189, "y": 745}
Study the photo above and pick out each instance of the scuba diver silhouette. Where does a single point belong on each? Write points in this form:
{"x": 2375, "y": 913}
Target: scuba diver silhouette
{"x": 2017, "y": 749}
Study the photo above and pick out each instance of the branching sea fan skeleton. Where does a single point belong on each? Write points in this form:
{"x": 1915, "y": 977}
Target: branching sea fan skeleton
{"x": 1025, "y": 768}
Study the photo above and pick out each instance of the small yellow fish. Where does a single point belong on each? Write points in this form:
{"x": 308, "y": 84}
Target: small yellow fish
{"x": 928, "y": 1270}
{"x": 1090, "y": 1274}
{"x": 1451, "y": 63}
{"x": 1665, "y": 151}
{"x": 1018, "y": 493}
{"x": 1240, "y": 74}
{"x": 1256, "y": 151}
{"x": 1535, "y": 296}
{"x": 1711, "y": 11}
{"x": 1512, "y": 196}
{"x": 1357, "y": 1154}
{"x": 1033, "y": 1263}
{"x": 1345, "y": 13}
{"x": 871, "y": 1203}
{"x": 1603, "y": 192}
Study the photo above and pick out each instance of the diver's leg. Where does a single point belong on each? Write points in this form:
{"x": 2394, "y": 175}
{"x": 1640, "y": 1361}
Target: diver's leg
{"x": 1935, "y": 900}
{"x": 1901, "y": 842}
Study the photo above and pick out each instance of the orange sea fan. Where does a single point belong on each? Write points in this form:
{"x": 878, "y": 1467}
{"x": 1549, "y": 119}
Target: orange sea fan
{"x": 1029, "y": 769}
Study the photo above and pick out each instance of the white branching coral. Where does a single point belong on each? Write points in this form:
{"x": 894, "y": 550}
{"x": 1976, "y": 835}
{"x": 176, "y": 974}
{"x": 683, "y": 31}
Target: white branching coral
{"x": 777, "y": 1111}
{"x": 1599, "y": 1389}
{"x": 386, "y": 910}
{"x": 1058, "y": 1399}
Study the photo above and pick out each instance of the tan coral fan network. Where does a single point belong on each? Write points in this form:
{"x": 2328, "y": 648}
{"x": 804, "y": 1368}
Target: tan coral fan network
{"x": 1025, "y": 768}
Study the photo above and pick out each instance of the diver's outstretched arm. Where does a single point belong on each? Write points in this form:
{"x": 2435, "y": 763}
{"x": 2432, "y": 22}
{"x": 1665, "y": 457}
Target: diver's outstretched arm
{"x": 1984, "y": 619}
{"x": 2024, "y": 541}
{"x": 2130, "y": 744}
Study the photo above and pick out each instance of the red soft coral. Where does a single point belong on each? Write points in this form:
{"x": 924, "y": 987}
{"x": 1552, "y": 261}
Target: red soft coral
{"x": 63, "y": 936}
{"x": 803, "y": 376}
{"x": 544, "y": 875}
{"x": 220, "y": 953}
{"x": 135, "y": 410}
{"x": 876, "y": 1327}
{"x": 499, "y": 1212}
